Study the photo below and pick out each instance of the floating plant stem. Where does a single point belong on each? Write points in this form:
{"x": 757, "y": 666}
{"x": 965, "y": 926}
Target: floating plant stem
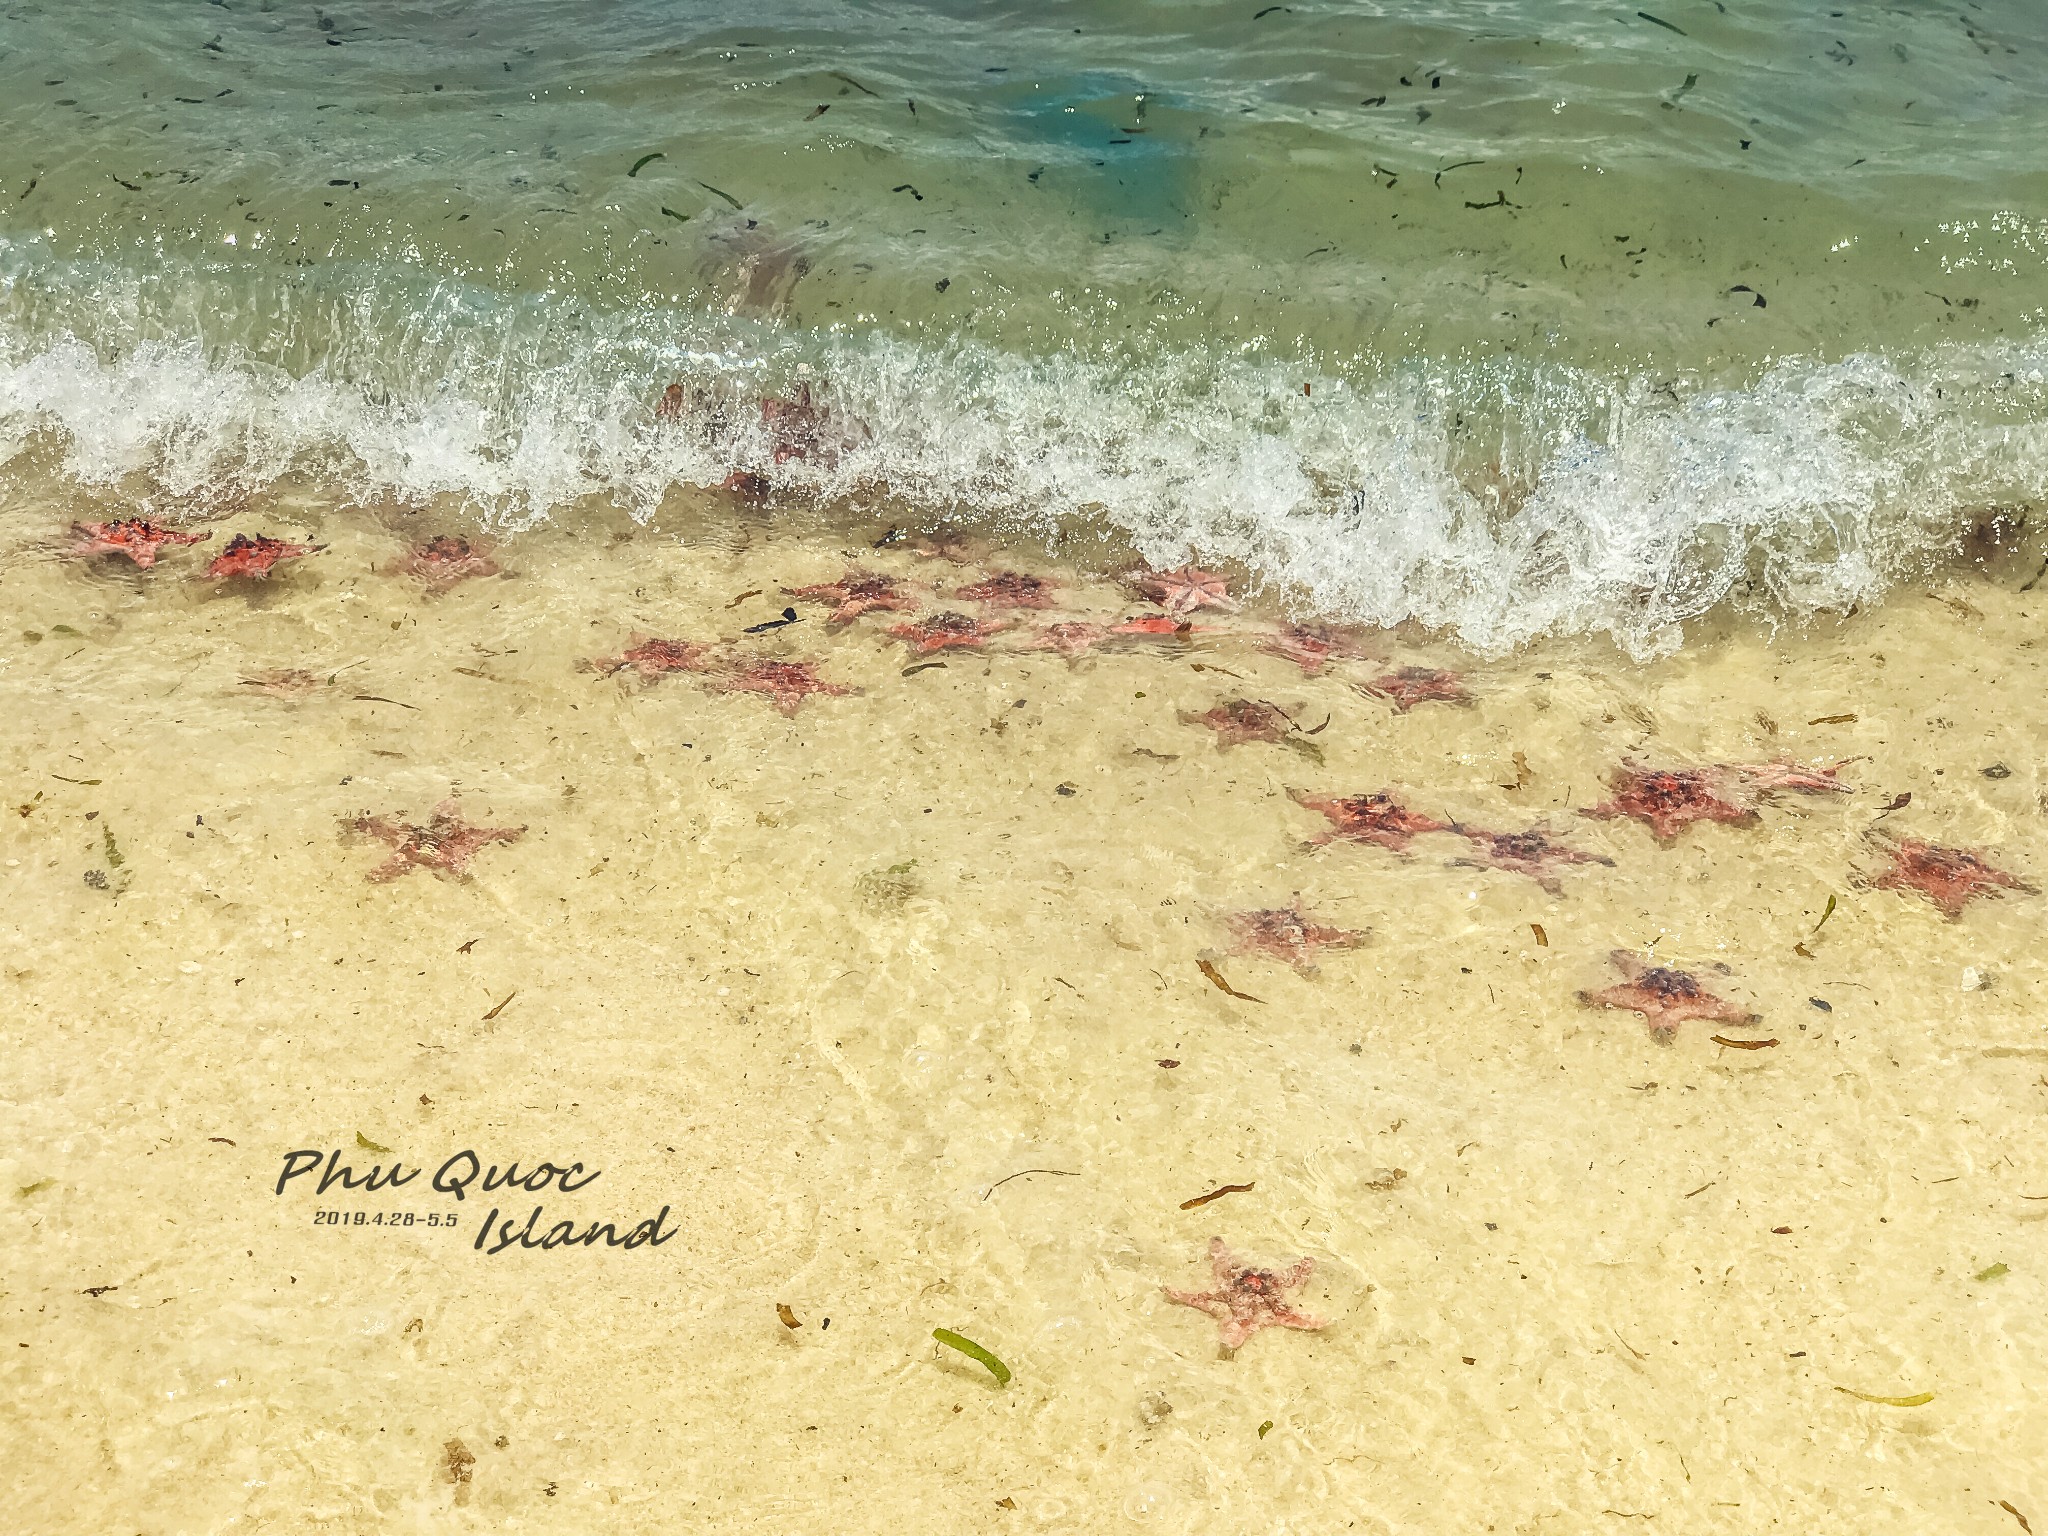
{"x": 974, "y": 1351}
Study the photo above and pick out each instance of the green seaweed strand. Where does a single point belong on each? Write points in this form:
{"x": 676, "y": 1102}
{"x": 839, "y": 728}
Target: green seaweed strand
{"x": 974, "y": 1351}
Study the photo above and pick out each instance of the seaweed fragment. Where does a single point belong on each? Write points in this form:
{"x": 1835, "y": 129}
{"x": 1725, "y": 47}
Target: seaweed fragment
{"x": 974, "y": 1351}
{"x": 789, "y": 1318}
{"x": 1913, "y": 1401}
{"x": 644, "y": 159}
{"x": 1216, "y": 980}
{"x": 1214, "y": 1194}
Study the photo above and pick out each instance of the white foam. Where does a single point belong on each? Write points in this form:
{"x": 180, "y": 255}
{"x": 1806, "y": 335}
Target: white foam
{"x": 1635, "y": 506}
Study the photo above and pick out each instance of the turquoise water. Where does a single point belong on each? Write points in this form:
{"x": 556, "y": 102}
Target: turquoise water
{"x": 1504, "y": 317}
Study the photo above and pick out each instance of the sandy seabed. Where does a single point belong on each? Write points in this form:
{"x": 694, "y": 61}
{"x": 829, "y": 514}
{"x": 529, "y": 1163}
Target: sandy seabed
{"x": 823, "y": 987}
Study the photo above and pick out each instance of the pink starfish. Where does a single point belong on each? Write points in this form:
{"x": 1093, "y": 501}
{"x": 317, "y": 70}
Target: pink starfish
{"x": 785, "y": 682}
{"x": 1670, "y": 799}
{"x": 1767, "y": 777}
{"x": 1948, "y": 877}
{"x": 1410, "y": 686}
{"x": 1376, "y": 818}
{"x": 1528, "y": 853}
{"x": 445, "y": 559}
{"x": 286, "y": 682}
{"x": 1310, "y": 646}
{"x": 1286, "y": 933}
{"x": 245, "y": 556}
{"x": 795, "y": 426}
{"x": 1665, "y": 997}
{"x": 445, "y": 844}
{"x": 1247, "y": 1299}
{"x": 747, "y": 485}
{"x": 1184, "y": 590}
{"x": 943, "y": 631}
{"x": 854, "y": 594}
{"x": 655, "y": 658}
{"x": 1240, "y": 720}
{"x": 136, "y": 537}
{"x": 1010, "y": 589}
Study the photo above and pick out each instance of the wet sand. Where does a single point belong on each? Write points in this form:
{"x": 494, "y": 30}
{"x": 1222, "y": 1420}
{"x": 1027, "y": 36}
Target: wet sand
{"x": 823, "y": 987}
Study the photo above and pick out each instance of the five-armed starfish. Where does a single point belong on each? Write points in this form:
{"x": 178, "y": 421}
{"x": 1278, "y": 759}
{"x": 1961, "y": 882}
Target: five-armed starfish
{"x": 1665, "y": 997}
{"x": 1375, "y": 818}
{"x": 656, "y": 658}
{"x": 1247, "y": 1299}
{"x": 1407, "y": 687}
{"x": 445, "y": 559}
{"x": 785, "y": 682}
{"x": 1948, "y": 877}
{"x": 1310, "y": 646}
{"x": 854, "y": 594}
{"x": 1184, "y": 590}
{"x": 245, "y": 556}
{"x": 136, "y": 537}
{"x": 1240, "y": 720}
{"x": 1767, "y": 777}
{"x": 1010, "y": 589}
{"x": 1287, "y": 933}
{"x": 795, "y": 426}
{"x": 445, "y": 844}
{"x": 1528, "y": 853}
{"x": 943, "y": 631}
{"x": 1670, "y": 799}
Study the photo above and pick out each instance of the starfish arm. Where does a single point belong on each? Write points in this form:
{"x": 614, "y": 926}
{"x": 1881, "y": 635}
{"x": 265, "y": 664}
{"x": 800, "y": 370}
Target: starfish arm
{"x": 1287, "y": 1317}
{"x": 390, "y": 869}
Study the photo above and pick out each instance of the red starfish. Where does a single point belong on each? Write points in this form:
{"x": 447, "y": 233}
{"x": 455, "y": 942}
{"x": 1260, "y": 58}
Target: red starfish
{"x": 671, "y": 404}
{"x": 1309, "y": 646}
{"x": 942, "y": 631}
{"x": 1665, "y": 997}
{"x": 245, "y": 556}
{"x": 1786, "y": 775}
{"x": 286, "y": 682}
{"x": 445, "y": 559}
{"x": 1669, "y": 799}
{"x": 795, "y": 426}
{"x": 1376, "y": 818}
{"x": 1528, "y": 853}
{"x": 656, "y": 658}
{"x": 855, "y": 593}
{"x": 1241, "y": 720}
{"x": 747, "y": 485}
{"x": 445, "y": 844}
{"x": 1410, "y": 686}
{"x": 1248, "y": 1299}
{"x": 1948, "y": 877}
{"x": 1184, "y": 590}
{"x": 785, "y": 682}
{"x": 136, "y": 537}
{"x": 1286, "y": 933}
{"x": 1010, "y": 589}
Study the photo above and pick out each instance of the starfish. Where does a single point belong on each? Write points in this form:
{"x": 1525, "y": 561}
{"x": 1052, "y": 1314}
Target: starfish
{"x": 1376, "y": 818}
{"x": 1310, "y": 646}
{"x": 655, "y": 658}
{"x": 445, "y": 844}
{"x": 1948, "y": 877}
{"x": 1665, "y": 997}
{"x": 854, "y": 594}
{"x": 1248, "y": 1299}
{"x": 286, "y": 682}
{"x": 1410, "y": 686}
{"x": 245, "y": 556}
{"x": 785, "y": 682}
{"x": 672, "y": 403}
{"x": 1010, "y": 589}
{"x": 943, "y": 631}
{"x": 445, "y": 559}
{"x": 136, "y": 537}
{"x": 1184, "y": 590}
{"x": 1286, "y": 933}
{"x": 1528, "y": 853}
{"x": 1669, "y": 799}
{"x": 795, "y": 425}
{"x": 1767, "y": 777}
{"x": 1241, "y": 720}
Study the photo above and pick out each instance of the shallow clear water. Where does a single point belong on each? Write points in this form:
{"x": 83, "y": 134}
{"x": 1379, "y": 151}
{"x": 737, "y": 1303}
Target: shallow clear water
{"x": 1654, "y": 391}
